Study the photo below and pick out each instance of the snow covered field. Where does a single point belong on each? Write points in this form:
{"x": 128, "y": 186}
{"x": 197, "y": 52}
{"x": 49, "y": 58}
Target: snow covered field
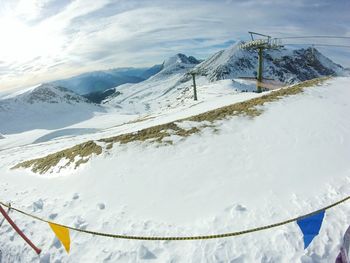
{"x": 292, "y": 159}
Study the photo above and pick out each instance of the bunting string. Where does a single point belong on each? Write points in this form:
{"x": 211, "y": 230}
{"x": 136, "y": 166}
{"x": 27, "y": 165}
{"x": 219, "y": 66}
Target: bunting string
{"x": 178, "y": 238}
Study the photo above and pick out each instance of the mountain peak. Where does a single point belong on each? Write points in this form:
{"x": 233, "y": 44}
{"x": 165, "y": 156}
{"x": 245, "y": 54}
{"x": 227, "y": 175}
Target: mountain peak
{"x": 179, "y": 59}
{"x": 285, "y": 65}
{"x": 50, "y": 93}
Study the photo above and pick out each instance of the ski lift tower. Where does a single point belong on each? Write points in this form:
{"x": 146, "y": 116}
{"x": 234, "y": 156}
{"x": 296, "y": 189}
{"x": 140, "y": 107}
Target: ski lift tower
{"x": 193, "y": 73}
{"x": 260, "y": 44}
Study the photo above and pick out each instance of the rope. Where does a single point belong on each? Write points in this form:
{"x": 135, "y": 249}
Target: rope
{"x": 168, "y": 238}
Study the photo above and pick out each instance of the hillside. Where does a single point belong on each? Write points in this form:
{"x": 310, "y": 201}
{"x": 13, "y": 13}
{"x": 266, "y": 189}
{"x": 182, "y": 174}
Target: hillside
{"x": 153, "y": 93}
{"x": 222, "y": 172}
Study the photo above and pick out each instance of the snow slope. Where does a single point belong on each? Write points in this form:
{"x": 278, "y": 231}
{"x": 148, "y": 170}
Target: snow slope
{"x": 169, "y": 89}
{"x": 156, "y": 91}
{"x": 292, "y": 159}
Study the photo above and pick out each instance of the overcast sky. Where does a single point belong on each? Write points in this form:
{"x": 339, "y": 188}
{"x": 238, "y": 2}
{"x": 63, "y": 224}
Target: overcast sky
{"x": 41, "y": 40}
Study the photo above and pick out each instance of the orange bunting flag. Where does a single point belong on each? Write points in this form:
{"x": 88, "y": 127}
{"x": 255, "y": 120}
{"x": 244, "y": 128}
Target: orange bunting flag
{"x": 62, "y": 234}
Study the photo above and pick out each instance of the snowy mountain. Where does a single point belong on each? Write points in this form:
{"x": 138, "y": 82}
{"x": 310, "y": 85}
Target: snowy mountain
{"x": 99, "y": 81}
{"x": 173, "y": 84}
{"x": 285, "y": 65}
{"x": 45, "y": 93}
{"x": 178, "y": 63}
{"x": 140, "y": 97}
{"x": 46, "y": 106}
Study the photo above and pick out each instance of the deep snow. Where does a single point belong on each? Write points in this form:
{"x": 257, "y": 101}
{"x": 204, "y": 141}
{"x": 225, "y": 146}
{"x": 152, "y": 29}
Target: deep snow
{"x": 292, "y": 159}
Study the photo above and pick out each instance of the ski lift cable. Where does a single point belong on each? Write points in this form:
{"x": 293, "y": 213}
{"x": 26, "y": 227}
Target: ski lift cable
{"x": 315, "y": 44}
{"x": 301, "y": 37}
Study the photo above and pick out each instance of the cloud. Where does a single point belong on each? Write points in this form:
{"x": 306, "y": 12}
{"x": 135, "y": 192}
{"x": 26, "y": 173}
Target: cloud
{"x": 64, "y": 37}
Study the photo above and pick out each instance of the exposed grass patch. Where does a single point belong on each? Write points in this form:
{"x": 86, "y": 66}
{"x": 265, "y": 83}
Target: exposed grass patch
{"x": 42, "y": 165}
{"x": 81, "y": 153}
{"x": 153, "y": 134}
{"x": 248, "y": 107}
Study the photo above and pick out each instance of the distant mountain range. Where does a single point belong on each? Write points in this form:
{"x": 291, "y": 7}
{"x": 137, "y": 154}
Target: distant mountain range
{"x": 99, "y": 81}
{"x": 285, "y": 65}
{"x": 174, "y": 80}
{"x": 98, "y": 85}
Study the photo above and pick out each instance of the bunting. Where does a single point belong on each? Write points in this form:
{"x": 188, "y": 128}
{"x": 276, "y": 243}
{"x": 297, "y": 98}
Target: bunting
{"x": 310, "y": 227}
{"x": 62, "y": 233}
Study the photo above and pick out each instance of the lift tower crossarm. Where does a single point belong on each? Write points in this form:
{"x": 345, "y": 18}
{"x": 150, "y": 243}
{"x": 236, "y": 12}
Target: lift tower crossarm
{"x": 260, "y": 45}
{"x": 254, "y": 33}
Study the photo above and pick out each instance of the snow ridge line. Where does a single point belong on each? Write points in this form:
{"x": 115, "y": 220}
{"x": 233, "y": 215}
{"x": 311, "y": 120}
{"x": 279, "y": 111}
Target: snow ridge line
{"x": 177, "y": 238}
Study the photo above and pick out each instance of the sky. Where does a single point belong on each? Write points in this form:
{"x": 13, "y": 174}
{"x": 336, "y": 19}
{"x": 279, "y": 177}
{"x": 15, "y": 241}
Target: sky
{"x": 43, "y": 40}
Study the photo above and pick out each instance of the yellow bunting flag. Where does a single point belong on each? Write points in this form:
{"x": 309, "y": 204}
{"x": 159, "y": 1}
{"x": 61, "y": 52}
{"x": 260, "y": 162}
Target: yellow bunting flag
{"x": 62, "y": 234}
